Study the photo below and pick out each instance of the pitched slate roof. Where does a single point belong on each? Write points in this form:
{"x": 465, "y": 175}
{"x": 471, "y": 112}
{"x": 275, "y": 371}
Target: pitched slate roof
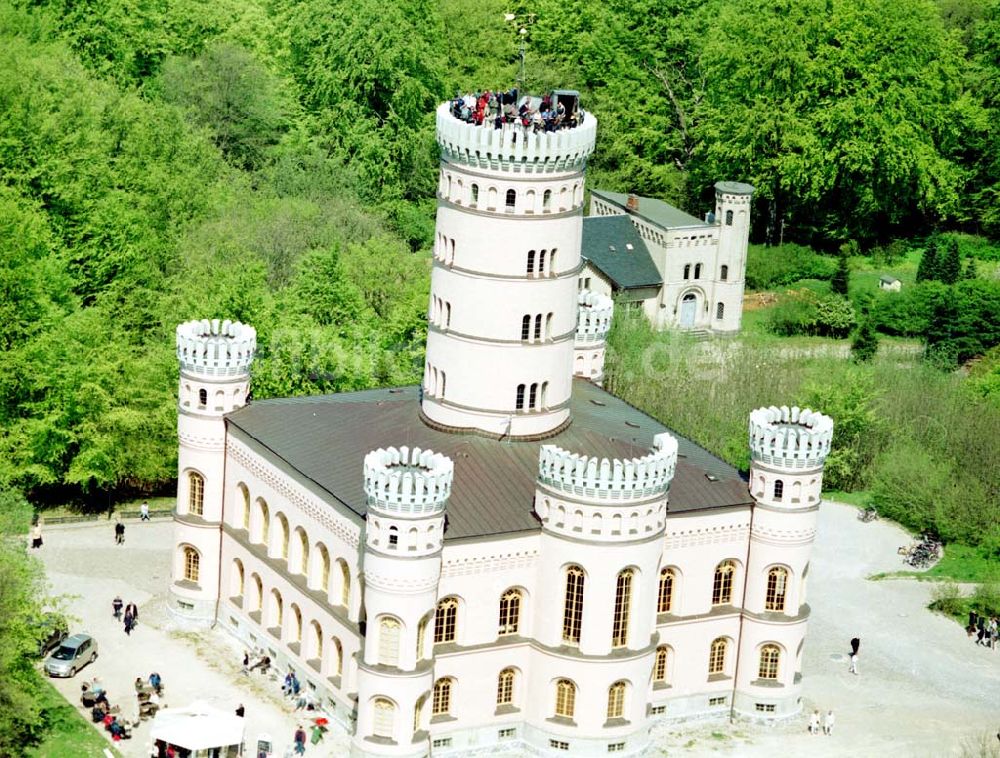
{"x": 325, "y": 438}
{"x": 606, "y": 245}
{"x": 652, "y": 209}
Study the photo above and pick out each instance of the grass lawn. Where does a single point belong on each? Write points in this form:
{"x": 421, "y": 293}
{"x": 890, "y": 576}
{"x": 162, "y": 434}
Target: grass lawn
{"x": 961, "y": 563}
{"x": 69, "y": 733}
{"x": 860, "y": 498}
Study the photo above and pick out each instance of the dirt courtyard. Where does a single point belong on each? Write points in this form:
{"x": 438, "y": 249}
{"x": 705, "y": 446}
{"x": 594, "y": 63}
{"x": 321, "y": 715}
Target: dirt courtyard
{"x": 923, "y": 686}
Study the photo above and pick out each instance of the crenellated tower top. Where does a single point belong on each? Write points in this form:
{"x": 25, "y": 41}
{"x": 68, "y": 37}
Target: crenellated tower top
{"x": 403, "y": 481}
{"x": 790, "y": 437}
{"x": 610, "y": 478}
{"x": 593, "y": 317}
{"x": 215, "y": 347}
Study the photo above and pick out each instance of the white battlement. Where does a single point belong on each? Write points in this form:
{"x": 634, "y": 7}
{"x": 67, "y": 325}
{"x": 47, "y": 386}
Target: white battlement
{"x": 798, "y": 438}
{"x": 610, "y": 478}
{"x": 510, "y": 148}
{"x": 404, "y": 480}
{"x": 593, "y": 317}
{"x": 218, "y": 348}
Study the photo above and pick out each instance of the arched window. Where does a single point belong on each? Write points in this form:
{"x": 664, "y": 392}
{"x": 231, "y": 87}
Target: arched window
{"x": 383, "y": 718}
{"x": 446, "y": 620}
{"x": 196, "y": 493}
{"x": 562, "y": 199}
{"x": 777, "y": 583}
{"x": 393, "y": 536}
{"x": 720, "y": 310}
{"x": 665, "y": 597}
{"x": 565, "y": 698}
{"x": 245, "y": 503}
{"x": 491, "y": 199}
{"x": 660, "y": 665}
{"x": 526, "y": 327}
{"x": 510, "y": 612}
{"x": 315, "y": 651}
{"x": 296, "y": 630}
{"x": 547, "y": 201}
{"x": 623, "y": 609}
{"x": 722, "y": 585}
{"x": 541, "y": 262}
{"x": 616, "y": 700}
{"x": 418, "y": 709}
{"x": 474, "y": 195}
{"x": 538, "y": 326}
{"x": 303, "y": 552}
{"x": 687, "y": 270}
{"x": 769, "y": 656}
{"x": 573, "y": 605}
{"x": 237, "y": 579}
{"x": 338, "y": 657}
{"x": 220, "y": 400}
{"x": 323, "y": 580}
{"x": 779, "y": 489}
{"x": 717, "y": 656}
{"x": 510, "y": 201}
{"x": 277, "y": 610}
{"x": 263, "y": 521}
{"x": 281, "y": 539}
{"x": 533, "y": 395}
{"x": 345, "y": 585}
{"x": 388, "y": 641}
{"x": 552, "y": 263}
{"x": 421, "y": 637}
{"x": 548, "y": 326}
{"x": 441, "y": 702}
{"x": 505, "y": 687}
{"x": 519, "y": 398}
{"x": 729, "y": 218}
{"x": 202, "y": 397}
{"x": 192, "y": 564}
{"x": 724, "y": 273}
{"x": 545, "y": 392}
{"x": 258, "y": 593}
{"x": 531, "y": 261}
{"x": 697, "y": 271}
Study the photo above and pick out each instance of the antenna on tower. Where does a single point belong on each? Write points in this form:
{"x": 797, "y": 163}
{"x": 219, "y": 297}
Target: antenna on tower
{"x": 523, "y": 21}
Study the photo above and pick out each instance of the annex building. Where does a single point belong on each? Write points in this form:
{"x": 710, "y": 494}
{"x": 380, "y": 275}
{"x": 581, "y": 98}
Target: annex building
{"x": 507, "y": 554}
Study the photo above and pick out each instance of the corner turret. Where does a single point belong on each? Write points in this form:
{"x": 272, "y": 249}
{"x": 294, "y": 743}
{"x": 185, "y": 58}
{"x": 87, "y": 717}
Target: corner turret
{"x": 593, "y": 324}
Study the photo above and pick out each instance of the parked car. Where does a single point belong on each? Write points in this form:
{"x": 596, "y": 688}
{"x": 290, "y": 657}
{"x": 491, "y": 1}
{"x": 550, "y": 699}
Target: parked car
{"x": 51, "y": 631}
{"x": 72, "y": 655}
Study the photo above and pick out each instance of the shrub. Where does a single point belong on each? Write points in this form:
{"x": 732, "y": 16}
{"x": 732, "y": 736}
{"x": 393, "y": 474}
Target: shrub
{"x": 986, "y": 599}
{"x": 785, "y": 264}
{"x": 947, "y": 597}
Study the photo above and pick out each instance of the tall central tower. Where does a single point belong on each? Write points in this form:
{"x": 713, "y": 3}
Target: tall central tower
{"x": 503, "y": 307}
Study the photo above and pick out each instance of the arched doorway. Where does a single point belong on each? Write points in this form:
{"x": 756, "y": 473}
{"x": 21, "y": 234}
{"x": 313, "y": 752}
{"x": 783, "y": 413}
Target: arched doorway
{"x": 689, "y": 308}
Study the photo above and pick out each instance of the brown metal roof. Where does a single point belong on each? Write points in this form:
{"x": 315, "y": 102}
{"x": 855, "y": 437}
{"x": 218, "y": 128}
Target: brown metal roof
{"x": 326, "y": 437}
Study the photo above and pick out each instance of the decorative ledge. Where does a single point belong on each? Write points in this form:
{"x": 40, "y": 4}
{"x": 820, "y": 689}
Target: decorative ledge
{"x": 612, "y": 723}
{"x": 561, "y": 721}
{"x": 505, "y": 710}
{"x": 770, "y": 683}
{"x": 719, "y": 678}
{"x": 442, "y": 718}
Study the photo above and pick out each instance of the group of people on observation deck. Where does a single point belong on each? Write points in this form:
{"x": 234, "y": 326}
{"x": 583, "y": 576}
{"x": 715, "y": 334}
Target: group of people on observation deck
{"x": 496, "y": 108}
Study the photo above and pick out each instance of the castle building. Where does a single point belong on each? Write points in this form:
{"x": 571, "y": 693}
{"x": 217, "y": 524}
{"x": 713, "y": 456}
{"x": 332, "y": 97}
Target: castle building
{"x": 507, "y": 555}
{"x": 684, "y": 273}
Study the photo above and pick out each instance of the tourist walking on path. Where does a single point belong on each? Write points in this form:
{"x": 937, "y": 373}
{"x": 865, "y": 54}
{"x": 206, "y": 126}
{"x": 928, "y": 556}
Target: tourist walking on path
{"x": 119, "y": 532}
{"x": 128, "y": 622}
{"x": 828, "y": 723}
{"x": 116, "y": 607}
{"x": 131, "y": 610}
{"x": 240, "y": 710}
{"x": 300, "y": 741}
{"x": 853, "y": 668}
{"x": 36, "y": 535}
{"x": 855, "y": 645}
{"x": 814, "y": 722}
{"x": 144, "y": 511}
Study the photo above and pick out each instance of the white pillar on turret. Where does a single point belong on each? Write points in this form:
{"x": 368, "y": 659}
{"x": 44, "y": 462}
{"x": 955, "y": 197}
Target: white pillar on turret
{"x": 215, "y": 358}
{"x": 503, "y": 311}
{"x": 788, "y": 447}
{"x": 407, "y": 492}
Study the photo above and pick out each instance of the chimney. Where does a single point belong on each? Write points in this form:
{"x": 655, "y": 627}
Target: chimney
{"x": 633, "y": 202}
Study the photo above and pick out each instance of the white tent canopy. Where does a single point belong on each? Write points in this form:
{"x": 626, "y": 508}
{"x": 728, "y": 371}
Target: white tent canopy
{"x": 197, "y": 727}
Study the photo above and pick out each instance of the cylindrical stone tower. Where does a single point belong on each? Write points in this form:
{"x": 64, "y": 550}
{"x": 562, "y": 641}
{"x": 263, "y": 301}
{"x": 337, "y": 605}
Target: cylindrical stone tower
{"x": 407, "y": 492}
{"x": 215, "y": 359}
{"x": 503, "y": 290}
{"x": 603, "y": 522}
{"x": 593, "y": 324}
{"x": 788, "y": 447}
{"x": 732, "y": 213}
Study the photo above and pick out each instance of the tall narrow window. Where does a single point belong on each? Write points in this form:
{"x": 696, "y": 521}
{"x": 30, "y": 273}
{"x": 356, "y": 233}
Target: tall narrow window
{"x": 384, "y": 716}
{"x": 722, "y": 585}
{"x": 441, "y": 702}
{"x": 548, "y": 326}
{"x": 533, "y": 395}
{"x": 511, "y": 200}
{"x": 393, "y": 536}
{"x": 519, "y": 398}
{"x": 660, "y": 665}
{"x": 779, "y": 489}
{"x": 421, "y": 637}
{"x": 720, "y": 310}
{"x": 202, "y": 397}
{"x": 616, "y": 700}
{"x": 510, "y": 612}
{"x": 538, "y": 326}
{"x": 552, "y": 262}
{"x": 474, "y": 196}
{"x": 665, "y": 598}
{"x": 697, "y": 271}
{"x": 573, "y": 605}
{"x": 769, "y": 656}
{"x": 526, "y": 327}
{"x": 777, "y": 582}
{"x": 445, "y": 620}
{"x": 729, "y": 218}
{"x": 505, "y": 687}
{"x": 192, "y": 564}
{"x": 531, "y": 261}
{"x": 196, "y": 494}
{"x": 447, "y": 315}
{"x": 324, "y": 569}
{"x": 565, "y": 698}
{"x": 245, "y": 516}
{"x": 388, "y": 641}
{"x": 724, "y": 273}
{"x": 687, "y": 270}
{"x": 282, "y": 536}
{"x": 418, "y": 709}
{"x": 717, "y": 656}
{"x": 547, "y": 201}
{"x": 623, "y": 606}
{"x": 303, "y": 553}
{"x": 345, "y": 585}
{"x": 338, "y": 657}
{"x": 541, "y": 262}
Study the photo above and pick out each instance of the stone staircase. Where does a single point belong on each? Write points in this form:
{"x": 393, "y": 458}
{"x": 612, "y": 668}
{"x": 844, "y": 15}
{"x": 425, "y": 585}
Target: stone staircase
{"x": 697, "y": 335}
